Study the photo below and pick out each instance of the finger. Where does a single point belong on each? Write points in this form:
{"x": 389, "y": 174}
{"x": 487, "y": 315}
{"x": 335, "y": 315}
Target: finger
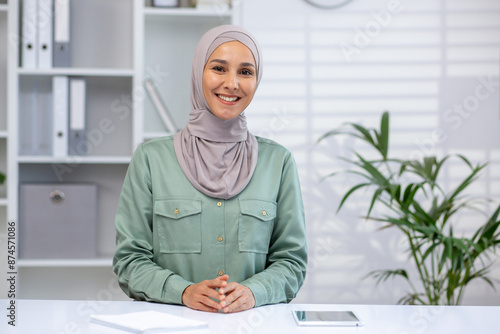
{"x": 203, "y": 307}
{"x": 215, "y": 283}
{"x": 240, "y": 304}
{"x": 210, "y": 303}
{"x": 228, "y": 288}
{"x": 196, "y": 292}
{"x": 196, "y": 300}
{"x": 205, "y": 289}
{"x": 223, "y": 277}
{"x": 241, "y": 299}
{"x": 232, "y": 291}
{"x": 209, "y": 292}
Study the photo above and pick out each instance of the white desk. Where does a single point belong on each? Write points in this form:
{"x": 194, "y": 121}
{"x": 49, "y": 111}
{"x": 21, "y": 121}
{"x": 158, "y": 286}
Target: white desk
{"x": 72, "y": 317}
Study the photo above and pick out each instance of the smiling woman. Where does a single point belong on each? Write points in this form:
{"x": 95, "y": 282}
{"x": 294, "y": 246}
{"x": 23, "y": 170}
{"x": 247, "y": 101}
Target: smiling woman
{"x": 229, "y": 80}
{"x": 212, "y": 217}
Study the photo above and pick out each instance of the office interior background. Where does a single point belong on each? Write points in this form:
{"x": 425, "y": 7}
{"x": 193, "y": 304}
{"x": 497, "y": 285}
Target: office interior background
{"x": 418, "y": 59}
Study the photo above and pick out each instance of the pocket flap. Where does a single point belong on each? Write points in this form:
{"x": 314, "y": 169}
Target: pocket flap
{"x": 177, "y": 208}
{"x": 263, "y": 210}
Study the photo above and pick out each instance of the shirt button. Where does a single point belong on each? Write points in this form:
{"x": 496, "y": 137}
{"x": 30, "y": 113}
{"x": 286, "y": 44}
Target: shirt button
{"x": 220, "y": 238}
{"x": 219, "y": 203}
{"x": 264, "y": 213}
{"x": 221, "y": 273}
{"x": 176, "y": 211}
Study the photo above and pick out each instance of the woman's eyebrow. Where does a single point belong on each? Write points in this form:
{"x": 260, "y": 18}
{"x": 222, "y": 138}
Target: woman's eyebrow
{"x": 247, "y": 64}
{"x": 225, "y": 62}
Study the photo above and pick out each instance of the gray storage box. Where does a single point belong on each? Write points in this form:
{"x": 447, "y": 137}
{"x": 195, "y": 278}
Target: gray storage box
{"x": 57, "y": 221}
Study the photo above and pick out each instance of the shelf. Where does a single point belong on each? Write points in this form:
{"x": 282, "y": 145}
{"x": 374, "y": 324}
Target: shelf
{"x": 3, "y": 202}
{"x": 96, "y": 72}
{"x": 4, "y": 7}
{"x": 3, "y": 134}
{"x": 71, "y": 160}
{"x": 187, "y": 12}
{"x": 153, "y": 135}
{"x": 107, "y": 262}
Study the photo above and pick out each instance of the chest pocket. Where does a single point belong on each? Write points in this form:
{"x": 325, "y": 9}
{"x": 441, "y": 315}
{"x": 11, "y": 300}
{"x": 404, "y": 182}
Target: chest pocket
{"x": 179, "y": 225}
{"x": 255, "y": 225}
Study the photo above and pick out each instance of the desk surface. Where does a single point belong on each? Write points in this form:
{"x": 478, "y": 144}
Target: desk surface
{"x": 72, "y": 317}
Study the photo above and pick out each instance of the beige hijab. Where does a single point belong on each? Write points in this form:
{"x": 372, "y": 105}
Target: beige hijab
{"x": 217, "y": 156}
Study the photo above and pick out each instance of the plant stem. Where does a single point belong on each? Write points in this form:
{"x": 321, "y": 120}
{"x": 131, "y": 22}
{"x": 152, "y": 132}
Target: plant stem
{"x": 419, "y": 265}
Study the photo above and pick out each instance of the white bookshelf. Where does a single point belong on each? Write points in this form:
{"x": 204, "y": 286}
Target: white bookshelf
{"x": 4, "y": 137}
{"x": 153, "y": 135}
{"x": 87, "y": 72}
{"x": 126, "y": 43}
{"x": 106, "y": 262}
{"x": 188, "y": 12}
{"x": 71, "y": 160}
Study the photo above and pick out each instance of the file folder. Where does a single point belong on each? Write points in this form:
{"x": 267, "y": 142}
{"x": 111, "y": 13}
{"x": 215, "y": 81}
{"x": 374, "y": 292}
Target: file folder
{"x": 45, "y": 33}
{"x": 77, "y": 117}
{"x": 60, "y": 88}
{"x": 62, "y": 46}
{"x": 29, "y": 28}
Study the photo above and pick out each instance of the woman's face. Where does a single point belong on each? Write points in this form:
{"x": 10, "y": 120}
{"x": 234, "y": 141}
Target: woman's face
{"x": 229, "y": 80}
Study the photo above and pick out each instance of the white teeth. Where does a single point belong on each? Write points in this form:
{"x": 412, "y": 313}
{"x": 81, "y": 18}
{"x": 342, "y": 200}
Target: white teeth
{"x": 227, "y": 99}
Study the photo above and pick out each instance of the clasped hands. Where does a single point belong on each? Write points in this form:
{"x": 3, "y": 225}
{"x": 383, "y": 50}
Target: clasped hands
{"x": 233, "y": 297}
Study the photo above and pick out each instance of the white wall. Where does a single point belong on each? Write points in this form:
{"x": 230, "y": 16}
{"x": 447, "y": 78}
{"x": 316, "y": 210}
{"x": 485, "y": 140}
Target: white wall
{"x": 417, "y": 62}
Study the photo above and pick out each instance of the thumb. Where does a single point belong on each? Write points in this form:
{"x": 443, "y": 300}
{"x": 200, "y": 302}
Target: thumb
{"x": 223, "y": 278}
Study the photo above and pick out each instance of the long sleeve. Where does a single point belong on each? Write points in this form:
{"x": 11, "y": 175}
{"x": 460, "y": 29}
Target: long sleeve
{"x": 287, "y": 258}
{"x": 138, "y": 275}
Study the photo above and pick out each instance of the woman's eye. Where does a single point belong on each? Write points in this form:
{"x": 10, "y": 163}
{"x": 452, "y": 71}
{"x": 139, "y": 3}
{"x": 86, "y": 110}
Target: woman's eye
{"x": 218, "y": 68}
{"x": 246, "y": 72}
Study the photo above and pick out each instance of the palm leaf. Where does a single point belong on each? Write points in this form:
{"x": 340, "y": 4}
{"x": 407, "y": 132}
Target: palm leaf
{"x": 338, "y": 132}
{"x": 383, "y": 135}
{"x": 384, "y": 275}
{"x": 364, "y": 134}
{"x": 468, "y": 181}
{"x": 351, "y": 191}
{"x": 378, "y": 177}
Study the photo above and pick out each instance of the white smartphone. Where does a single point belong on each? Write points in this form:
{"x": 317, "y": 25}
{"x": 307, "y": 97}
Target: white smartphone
{"x": 326, "y": 318}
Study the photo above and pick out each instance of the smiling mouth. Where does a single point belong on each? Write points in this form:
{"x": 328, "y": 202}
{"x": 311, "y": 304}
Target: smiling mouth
{"x": 228, "y": 99}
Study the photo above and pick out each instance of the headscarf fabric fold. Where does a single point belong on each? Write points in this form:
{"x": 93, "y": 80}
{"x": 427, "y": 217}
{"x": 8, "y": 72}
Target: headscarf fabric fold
{"x": 217, "y": 156}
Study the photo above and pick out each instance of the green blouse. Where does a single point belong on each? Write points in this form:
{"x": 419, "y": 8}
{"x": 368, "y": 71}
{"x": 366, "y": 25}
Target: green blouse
{"x": 170, "y": 235}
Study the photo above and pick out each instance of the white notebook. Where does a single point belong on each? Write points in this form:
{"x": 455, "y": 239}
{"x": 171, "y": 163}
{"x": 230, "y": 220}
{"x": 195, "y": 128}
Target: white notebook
{"x": 147, "y": 322}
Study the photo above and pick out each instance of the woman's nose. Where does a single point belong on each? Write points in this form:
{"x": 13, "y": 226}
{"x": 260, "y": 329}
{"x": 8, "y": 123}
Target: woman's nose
{"x": 232, "y": 81}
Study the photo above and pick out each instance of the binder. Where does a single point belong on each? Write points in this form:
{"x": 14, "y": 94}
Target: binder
{"x": 28, "y": 117}
{"x": 44, "y": 116}
{"x": 77, "y": 94}
{"x": 165, "y": 3}
{"x": 60, "y": 92}
{"x": 160, "y": 106}
{"x": 45, "y": 33}
{"x": 62, "y": 46}
{"x": 29, "y": 28}
{"x": 35, "y": 116}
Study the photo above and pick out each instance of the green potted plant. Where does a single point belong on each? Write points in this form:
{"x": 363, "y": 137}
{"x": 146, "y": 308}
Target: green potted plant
{"x": 417, "y": 205}
{"x": 2, "y": 178}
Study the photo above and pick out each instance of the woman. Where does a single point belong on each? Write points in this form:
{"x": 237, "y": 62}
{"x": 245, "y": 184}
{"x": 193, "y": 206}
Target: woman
{"x": 212, "y": 217}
